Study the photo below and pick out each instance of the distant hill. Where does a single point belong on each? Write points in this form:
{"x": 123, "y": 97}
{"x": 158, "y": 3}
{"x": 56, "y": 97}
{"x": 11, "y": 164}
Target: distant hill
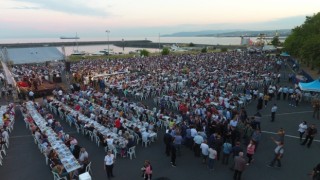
{"x": 230, "y": 33}
{"x": 199, "y": 33}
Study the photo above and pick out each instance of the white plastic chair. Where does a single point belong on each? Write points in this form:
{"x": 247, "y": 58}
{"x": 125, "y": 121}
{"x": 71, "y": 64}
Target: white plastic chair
{"x": 88, "y": 168}
{"x": 78, "y": 128}
{"x": 132, "y": 151}
{"x": 3, "y": 150}
{"x": 57, "y": 177}
{"x": 145, "y": 142}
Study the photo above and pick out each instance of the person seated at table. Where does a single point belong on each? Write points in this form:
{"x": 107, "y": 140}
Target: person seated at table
{"x": 47, "y": 150}
{"x": 33, "y": 128}
{"x": 109, "y": 140}
{"x": 151, "y": 126}
{"x": 6, "y": 119}
{"x": 77, "y": 107}
{"x": 137, "y": 131}
{"x": 131, "y": 142}
{"x": 88, "y": 126}
{"x": 53, "y": 157}
{"x": 58, "y": 127}
{"x": 73, "y": 141}
{"x": 117, "y": 123}
{"x": 83, "y": 155}
{"x": 145, "y": 135}
{"x": 58, "y": 168}
{"x": 37, "y": 134}
{"x": 44, "y": 137}
{"x": 76, "y": 151}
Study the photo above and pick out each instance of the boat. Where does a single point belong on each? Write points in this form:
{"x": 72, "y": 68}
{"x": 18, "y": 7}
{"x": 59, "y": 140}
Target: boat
{"x": 105, "y": 51}
{"x": 78, "y": 53}
{"x": 65, "y": 37}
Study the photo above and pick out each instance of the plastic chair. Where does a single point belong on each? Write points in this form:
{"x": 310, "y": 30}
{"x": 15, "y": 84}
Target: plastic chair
{"x": 132, "y": 151}
{"x": 145, "y": 142}
{"x": 88, "y": 168}
{"x": 57, "y": 177}
{"x": 3, "y": 150}
{"x": 78, "y": 128}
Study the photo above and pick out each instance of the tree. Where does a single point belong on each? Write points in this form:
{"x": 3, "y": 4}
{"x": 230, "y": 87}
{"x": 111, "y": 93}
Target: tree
{"x": 165, "y": 51}
{"x": 275, "y": 41}
{"x": 304, "y": 41}
{"x": 204, "y": 50}
{"x": 191, "y": 44}
{"x": 144, "y": 53}
{"x": 224, "y": 49}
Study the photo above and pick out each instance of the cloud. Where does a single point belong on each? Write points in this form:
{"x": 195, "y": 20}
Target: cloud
{"x": 25, "y": 7}
{"x": 77, "y": 7}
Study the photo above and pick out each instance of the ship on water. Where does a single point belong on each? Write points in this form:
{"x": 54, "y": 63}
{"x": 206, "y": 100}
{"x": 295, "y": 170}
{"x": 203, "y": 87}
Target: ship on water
{"x": 65, "y": 37}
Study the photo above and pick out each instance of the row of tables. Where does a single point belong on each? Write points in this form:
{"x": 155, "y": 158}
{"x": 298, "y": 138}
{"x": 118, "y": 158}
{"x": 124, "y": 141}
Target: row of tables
{"x": 105, "y": 111}
{"x": 100, "y": 128}
{"x": 67, "y": 159}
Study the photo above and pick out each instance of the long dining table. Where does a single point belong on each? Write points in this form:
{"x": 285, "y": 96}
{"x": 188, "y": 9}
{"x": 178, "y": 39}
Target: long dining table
{"x": 69, "y": 162}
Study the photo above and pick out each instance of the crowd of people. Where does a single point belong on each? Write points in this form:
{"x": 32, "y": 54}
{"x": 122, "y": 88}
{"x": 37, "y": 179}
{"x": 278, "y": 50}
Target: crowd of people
{"x": 199, "y": 99}
{"x": 45, "y": 146}
{"x": 6, "y": 126}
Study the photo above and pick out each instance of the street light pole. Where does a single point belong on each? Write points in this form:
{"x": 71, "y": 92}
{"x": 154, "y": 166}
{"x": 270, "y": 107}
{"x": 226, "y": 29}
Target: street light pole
{"x": 159, "y": 42}
{"x": 108, "y": 31}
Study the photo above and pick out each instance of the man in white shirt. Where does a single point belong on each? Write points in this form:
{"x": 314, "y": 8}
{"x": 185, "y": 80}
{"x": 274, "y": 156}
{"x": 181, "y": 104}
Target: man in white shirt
{"x": 193, "y": 132}
{"x": 205, "y": 151}
{"x": 273, "y": 112}
{"x": 212, "y": 156}
{"x": 108, "y": 164}
{"x": 83, "y": 156}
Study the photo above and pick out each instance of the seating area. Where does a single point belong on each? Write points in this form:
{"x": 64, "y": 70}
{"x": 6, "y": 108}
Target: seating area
{"x": 62, "y": 152}
{"x": 120, "y": 139}
{"x": 6, "y": 127}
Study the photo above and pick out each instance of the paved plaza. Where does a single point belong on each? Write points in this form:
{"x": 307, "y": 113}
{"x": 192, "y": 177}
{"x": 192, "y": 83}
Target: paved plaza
{"x": 24, "y": 160}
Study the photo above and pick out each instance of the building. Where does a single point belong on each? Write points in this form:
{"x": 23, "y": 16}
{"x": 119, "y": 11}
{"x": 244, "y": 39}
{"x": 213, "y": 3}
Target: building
{"x": 30, "y": 54}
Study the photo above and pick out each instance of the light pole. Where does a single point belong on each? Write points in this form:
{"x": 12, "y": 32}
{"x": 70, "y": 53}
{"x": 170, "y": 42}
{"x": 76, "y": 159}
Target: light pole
{"x": 159, "y": 42}
{"x": 122, "y": 46}
{"x": 108, "y": 31}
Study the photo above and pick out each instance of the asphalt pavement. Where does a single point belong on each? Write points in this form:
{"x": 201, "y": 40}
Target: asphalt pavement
{"x": 24, "y": 160}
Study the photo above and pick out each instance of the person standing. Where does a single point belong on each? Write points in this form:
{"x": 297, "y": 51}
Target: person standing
{"x": 167, "y": 139}
{"x": 239, "y": 166}
{"x": 256, "y": 137}
{"x": 266, "y": 99}
{"x": 250, "y": 151}
{"x": 205, "y": 151}
{"x": 227, "y": 148}
{"x": 108, "y": 164}
{"x": 302, "y": 129}
{"x": 278, "y": 153}
{"x": 173, "y": 155}
{"x": 316, "y": 109}
{"x": 212, "y": 157}
{"x": 197, "y": 142}
{"x": 281, "y": 134}
{"x": 315, "y": 174}
{"x": 147, "y": 170}
{"x": 311, "y": 132}
{"x": 273, "y": 112}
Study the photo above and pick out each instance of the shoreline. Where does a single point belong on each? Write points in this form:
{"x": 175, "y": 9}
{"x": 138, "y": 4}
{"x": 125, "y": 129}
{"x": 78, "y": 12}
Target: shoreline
{"x": 129, "y": 43}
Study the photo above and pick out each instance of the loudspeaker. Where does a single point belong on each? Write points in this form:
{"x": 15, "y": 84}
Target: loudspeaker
{"x": 68, "y": 66}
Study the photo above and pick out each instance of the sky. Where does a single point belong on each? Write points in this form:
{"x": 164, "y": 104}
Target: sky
{"x": 129, "y": 18}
